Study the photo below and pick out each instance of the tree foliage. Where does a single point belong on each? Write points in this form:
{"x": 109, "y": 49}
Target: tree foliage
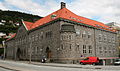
{"x": 12, "y": 17}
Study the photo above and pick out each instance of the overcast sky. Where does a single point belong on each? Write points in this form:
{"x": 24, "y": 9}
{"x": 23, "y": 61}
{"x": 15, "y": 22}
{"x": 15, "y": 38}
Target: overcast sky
{"x": 100, "y": 10}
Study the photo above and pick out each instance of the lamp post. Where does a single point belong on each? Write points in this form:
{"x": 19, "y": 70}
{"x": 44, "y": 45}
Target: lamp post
{"x": 3, "y": 42}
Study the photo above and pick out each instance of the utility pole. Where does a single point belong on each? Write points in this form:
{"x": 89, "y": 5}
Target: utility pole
{"x": 3, "y": 42}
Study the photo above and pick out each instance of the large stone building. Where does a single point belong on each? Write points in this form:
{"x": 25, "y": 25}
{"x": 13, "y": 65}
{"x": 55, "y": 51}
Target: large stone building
{"x": 63, "y": 37}
{"x": 117, "y": 27}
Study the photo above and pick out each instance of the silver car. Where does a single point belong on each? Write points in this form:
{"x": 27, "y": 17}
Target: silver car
{"x": 117, "y": 62}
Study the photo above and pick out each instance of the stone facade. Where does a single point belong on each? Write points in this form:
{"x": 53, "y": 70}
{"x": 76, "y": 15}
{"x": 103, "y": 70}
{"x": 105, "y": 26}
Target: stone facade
{"x": 10, "y": 49}
{"x": 62, "y": 40}
{"x": 62, "y": 45}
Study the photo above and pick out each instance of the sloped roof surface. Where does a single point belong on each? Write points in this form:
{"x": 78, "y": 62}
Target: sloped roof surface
{"x": 12, "y": 36}
{"x": 28, "y": 24}
{"x": 67, "y": 14}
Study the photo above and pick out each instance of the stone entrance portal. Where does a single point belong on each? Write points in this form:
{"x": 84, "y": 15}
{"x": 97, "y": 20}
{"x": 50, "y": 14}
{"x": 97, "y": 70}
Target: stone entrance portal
{"x": 18, "y": 53}
{"x": 48, "y": 52}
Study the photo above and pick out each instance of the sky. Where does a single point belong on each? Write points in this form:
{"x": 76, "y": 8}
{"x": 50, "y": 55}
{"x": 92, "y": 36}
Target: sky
{"x": 105, "y": 11}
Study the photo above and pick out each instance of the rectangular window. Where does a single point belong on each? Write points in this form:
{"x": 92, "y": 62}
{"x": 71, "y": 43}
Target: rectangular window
{"x": 33, "y": 38}
{"x": 77, "y": 48}
{"x": 48, "y": 34}
{"x": 89, "y": 34}
{"x": 105, "y": 51}
{"x": 84, "y": 34}
{"x": 100, "y": 48}
{"x": 62, "y": 46}
{"x": 113, "y": 39}
{"x": 109, "y": 51}
{"x": 36, "y": 37}
{"x": 37, "y": 50}
{"x": 100, "y": 51}
{"x": 104, "y": 48}
{"x": 70, "y": 46}
{"x": 105, "y": 38}
{"x": 84, "y": 48}
{"x": 100, "y": 37}
{"x": 90, "y": 48}
{"x": 67, "y": 27}
{"x": 70, "y": 37}
{"x": 41, "y": 35}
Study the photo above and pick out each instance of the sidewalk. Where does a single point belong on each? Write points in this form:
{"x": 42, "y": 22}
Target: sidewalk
{"x": 64, "y": 65}
{"x": 100, "y": 67}
{"x": 107, "y": 67}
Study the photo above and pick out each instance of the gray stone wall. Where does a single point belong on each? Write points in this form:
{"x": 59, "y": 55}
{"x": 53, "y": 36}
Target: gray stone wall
{"x": 72, "y": 43}
{"x": 10, "y": 49}
{"x": 87, "y": 42}
{"x": 43, "y": 38}
{"x": 106, "y": 44}
{"x": 21, "y": 43}
{"x": 62, "y": 45}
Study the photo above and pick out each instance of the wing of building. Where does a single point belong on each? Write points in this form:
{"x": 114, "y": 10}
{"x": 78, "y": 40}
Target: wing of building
{"x": 63, "y": 36}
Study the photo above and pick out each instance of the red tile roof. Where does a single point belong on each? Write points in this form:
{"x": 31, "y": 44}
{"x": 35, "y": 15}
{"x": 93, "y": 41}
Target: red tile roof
{"x": 12, "y": 36}
{"x": 28, "y": 25}
{"x": 67, "y": 14}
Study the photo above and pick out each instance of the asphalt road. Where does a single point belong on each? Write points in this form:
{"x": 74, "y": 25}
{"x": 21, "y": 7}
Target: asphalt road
{"x": 17, "y": 66}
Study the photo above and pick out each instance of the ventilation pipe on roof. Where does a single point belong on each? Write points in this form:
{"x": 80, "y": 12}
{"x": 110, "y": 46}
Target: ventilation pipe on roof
{"x": 63, "y": 5}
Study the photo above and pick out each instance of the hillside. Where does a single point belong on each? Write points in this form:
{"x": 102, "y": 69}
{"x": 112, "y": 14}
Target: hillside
{"x": 9, "y": 20}
{"x": 16, "y": 16}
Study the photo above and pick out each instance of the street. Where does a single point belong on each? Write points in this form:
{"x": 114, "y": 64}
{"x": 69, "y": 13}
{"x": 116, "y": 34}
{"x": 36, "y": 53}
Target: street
{"x": 6, "y": 65}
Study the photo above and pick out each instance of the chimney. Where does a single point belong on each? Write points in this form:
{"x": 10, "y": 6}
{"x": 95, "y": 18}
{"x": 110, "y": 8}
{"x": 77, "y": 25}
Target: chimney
{"x": 63, "y": 5}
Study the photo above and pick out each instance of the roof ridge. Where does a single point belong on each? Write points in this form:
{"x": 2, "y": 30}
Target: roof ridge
{"x": 67, "y": 14}
{"x": 28, "y": 25}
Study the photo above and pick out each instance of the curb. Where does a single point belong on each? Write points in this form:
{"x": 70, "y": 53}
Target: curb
{"x": 66, "y": 66}
{"x": 9, "y": 68}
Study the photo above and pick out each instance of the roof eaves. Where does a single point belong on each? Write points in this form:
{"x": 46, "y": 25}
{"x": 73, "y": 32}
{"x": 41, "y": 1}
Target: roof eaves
{"x": 12, "y": 37}
{"x": 74, "y": 22}
{"x": 47, "y": 23}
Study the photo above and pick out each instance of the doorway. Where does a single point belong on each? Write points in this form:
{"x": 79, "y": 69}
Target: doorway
{"x": 48, "y": 52}
{"x": 18, "y": 54}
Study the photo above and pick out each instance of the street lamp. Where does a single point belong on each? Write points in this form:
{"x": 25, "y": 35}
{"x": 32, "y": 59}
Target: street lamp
{"x": 3, "y": 42}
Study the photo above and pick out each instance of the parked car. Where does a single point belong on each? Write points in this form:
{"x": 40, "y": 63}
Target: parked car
{"x": 117, "y": 62}
{"x": 90, "y": 60}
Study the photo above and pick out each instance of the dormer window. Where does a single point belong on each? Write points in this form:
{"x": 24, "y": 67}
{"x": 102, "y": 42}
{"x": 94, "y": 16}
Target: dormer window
{"x": 53, "y": 16}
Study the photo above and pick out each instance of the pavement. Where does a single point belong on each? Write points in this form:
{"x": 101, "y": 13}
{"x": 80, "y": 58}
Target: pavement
{"x": 65, "y": 65}
{"x": 97, "y": 67}
{"x": 107, "y": 67}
